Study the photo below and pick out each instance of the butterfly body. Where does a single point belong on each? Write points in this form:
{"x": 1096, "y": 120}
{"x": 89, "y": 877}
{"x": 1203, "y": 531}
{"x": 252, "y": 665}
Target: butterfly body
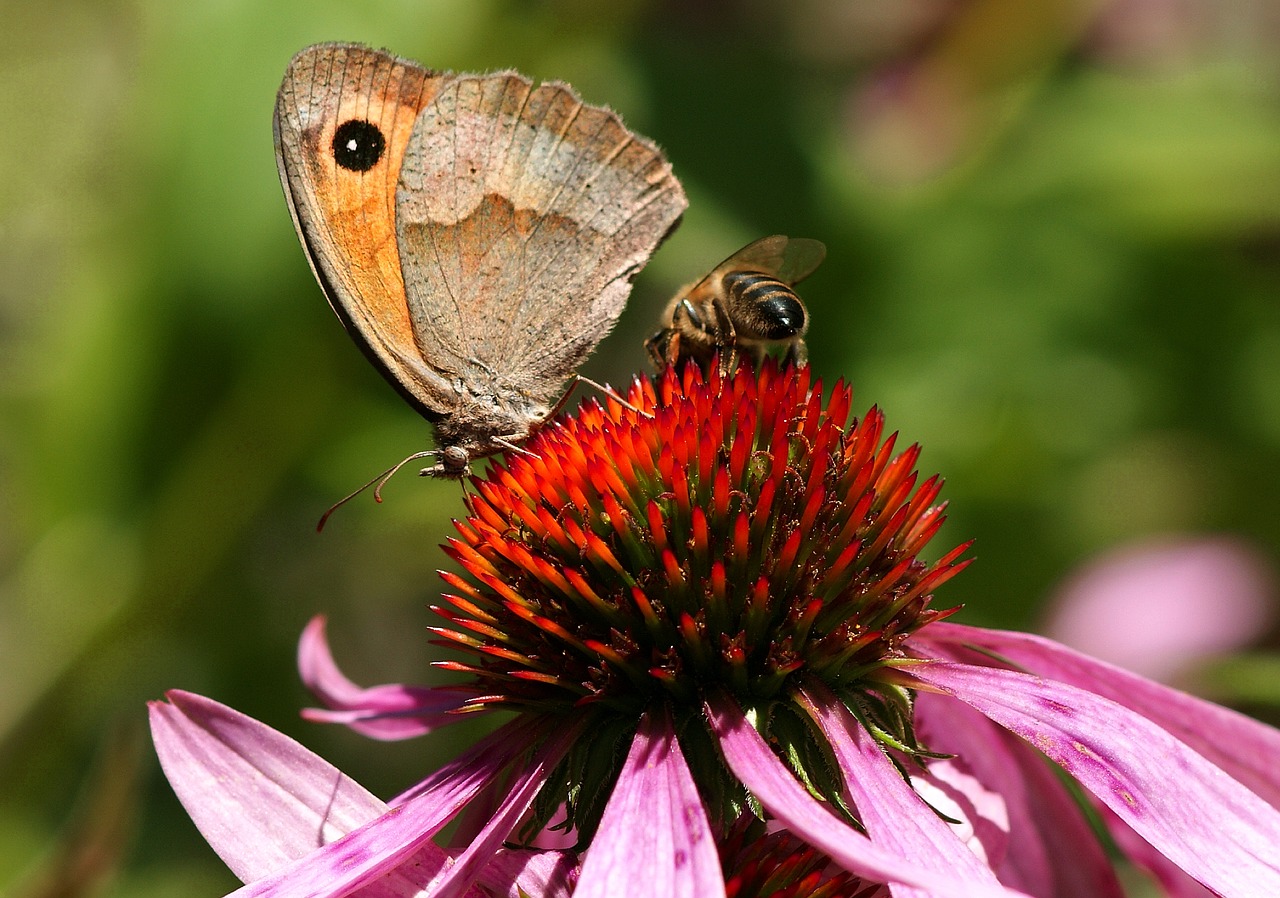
{"x": 476, "y": 234}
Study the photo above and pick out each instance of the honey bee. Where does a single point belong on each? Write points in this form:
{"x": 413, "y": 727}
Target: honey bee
{"x": 745, "y": 306}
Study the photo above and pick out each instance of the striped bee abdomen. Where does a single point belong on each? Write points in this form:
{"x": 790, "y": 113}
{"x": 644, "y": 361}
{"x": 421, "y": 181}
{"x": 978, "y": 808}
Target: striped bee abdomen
{"x": 763, "y": 307}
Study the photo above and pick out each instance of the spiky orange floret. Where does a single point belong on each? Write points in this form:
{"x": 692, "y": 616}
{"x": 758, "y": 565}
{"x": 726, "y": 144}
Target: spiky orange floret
{"x": 730, "y": 532}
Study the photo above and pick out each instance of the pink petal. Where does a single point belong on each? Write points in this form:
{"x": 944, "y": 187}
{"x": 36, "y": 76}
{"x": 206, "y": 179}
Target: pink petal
{"x": 1048, "y": 848}
{"x": 388, "y": 712}
{"x": 1159, "y": 608}
{"x": 368, "y": 853}
{"x": 895, "y": 817}
{"x": 1174, "y": 882}
{"x": 1200, "y": 818}
{"x": 261, "y": 799}
{"x": 654, "y": 837}
{"x": 520, "y": 793}
{"x": 545, "y": 874}
{"x": 753, "y": 762}
{"x": 977, "y": 815}
{"x": 1240, "y": 745}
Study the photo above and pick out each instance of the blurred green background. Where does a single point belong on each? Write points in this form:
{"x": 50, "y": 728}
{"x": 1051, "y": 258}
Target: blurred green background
{"x": 1054, "y": 259}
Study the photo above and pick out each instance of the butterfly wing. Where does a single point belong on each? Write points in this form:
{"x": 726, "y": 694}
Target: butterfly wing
{"x": 522, "y": 216}
{"x": 344, "y": 215}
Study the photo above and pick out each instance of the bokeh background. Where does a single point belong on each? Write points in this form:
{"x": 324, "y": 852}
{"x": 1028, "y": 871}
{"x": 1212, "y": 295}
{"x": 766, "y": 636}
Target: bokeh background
{"x": 1054, "y": 259}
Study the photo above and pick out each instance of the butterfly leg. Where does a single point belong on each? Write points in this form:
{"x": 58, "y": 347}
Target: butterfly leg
{"x": 505, "y": 443}
{"x": 611, "y": 393}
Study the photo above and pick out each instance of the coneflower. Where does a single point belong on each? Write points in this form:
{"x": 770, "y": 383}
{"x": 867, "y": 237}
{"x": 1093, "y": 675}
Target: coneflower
{"x": 708, "y": 606}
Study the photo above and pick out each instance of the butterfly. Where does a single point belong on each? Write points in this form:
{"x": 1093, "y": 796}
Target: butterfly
{"x": 476, "y": 234}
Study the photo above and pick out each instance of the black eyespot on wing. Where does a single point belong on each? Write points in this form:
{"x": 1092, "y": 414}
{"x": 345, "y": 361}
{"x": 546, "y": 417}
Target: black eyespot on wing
{"x": 358, "y": 145}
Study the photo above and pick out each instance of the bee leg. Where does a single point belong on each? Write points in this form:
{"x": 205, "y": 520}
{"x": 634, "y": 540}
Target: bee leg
{"x": 691, "y": 337}
{"x": 686, "y": 311}
{"x": 727, "y": 339}
{"x": 797, "y": 353}
{"x": 659, "y": 346}
{"x": 672, "y": 351}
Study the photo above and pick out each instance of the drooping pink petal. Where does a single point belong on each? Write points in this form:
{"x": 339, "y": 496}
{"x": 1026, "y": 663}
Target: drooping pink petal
{"x": 521, "y": 791}
{"x": 654, "y": 837}
{"x": 976, "y": 814}
{"x": 1245, "y": 748}
{"x": 1191, "y": 811}
{"x": 258, "y": 797}
{"x": 1158, "y": 608}
{"x": 545, "y": 873}
{"x": 1173, "y": 880}
{"x": 369, "y": 852}
{"x": 1047, "y": 848}
{"x": 261, "y": 799}
{"x": 388, "y": 712}
{"x": 894, "y": 816}
{"x": 753, "y": 762}
{"x": 473, "y": 817}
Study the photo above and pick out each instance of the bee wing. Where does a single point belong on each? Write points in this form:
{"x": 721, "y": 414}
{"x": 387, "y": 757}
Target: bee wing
{"x": 789, "y": 259}
{"x": 800, "y": 258}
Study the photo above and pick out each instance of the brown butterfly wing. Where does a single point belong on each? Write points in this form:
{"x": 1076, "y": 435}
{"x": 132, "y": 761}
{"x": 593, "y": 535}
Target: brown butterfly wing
{"x": 522, "y": 216}
{"x": 345, "y": 218}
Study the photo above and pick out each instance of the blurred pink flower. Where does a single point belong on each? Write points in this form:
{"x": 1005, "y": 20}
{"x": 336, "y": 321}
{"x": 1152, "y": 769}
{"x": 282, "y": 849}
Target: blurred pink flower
{"x": 949, "y": 77}
{"x": 1161, "y": 608}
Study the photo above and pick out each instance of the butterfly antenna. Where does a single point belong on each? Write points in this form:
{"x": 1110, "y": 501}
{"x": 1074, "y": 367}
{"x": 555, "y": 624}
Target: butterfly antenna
{"x": 380, "y": 480}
